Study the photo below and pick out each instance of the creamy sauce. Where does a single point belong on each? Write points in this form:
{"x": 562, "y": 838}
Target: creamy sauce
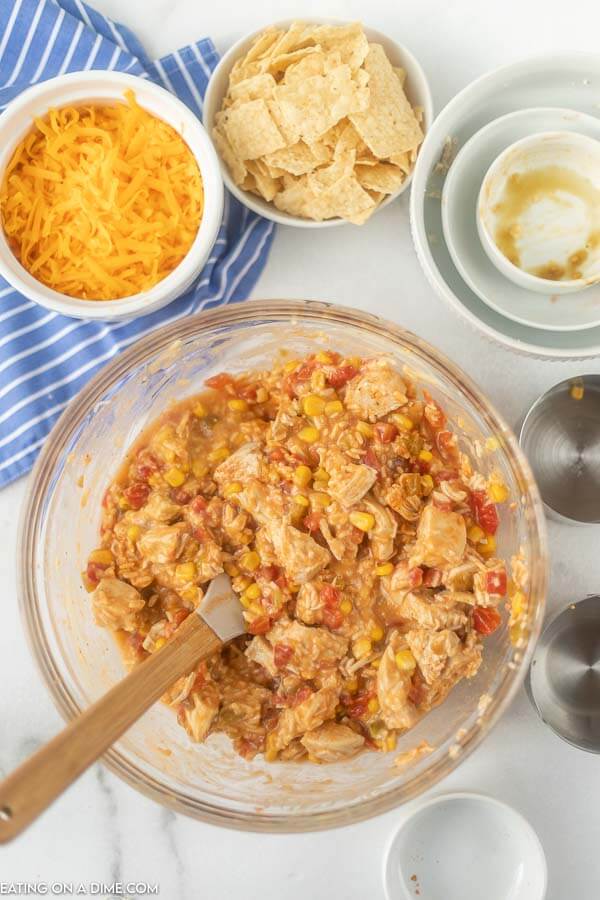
{"x": 522, "y": 190}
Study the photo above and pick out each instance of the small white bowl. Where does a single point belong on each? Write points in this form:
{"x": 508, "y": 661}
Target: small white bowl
{"x": 416, "y": 86}
{"x": 79, "y": 88}
{"x": 465, "y": 847}
{"x": 555, "y": 227}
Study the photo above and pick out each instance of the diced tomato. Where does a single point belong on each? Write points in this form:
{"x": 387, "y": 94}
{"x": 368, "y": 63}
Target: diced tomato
{"x": 276, "y": 455}
{"x": 386, "y": 432}
{"x": 260, "y": 625}
{"x": 371, "y": 459}
{"x": 137, "y": 494}
{"x": 486, "y": 619}
{"x": 180, "y": 616}
{"x": 312, "y": 521}
{"x": 200, "y": 534}
{"x": 135, "y": 641}
{"x": 180, "y": 496}
{"x": 219, "y": 382}
{"x": 269, "y": 717}
{"x": 433, "y": 413}
{"x": 446, "y": 474}
{"x": 330, "y": 595}
{"x": 447, "y": 445}
{"x": 416, "y": 690}
{"x": 200, "y": 679}
{"x": 415, "y": 577}
{"x": 305, "y": 370}
{"x": 198, "y": 504}
{"x": 302, "y": 694}
{"x": 484, "y": 511}
{"x": 282, "y": 582}
{"x": 357, "y": 708}
{"x": 432, "y": 578}
{"x": 339, "y": 377}
{"x": 269, "y": 573}
{"x": 282, "y": 653}
{"x": 247, "y": 391}
{"x": 95, "y": 571}
{"x": 333, "y": 617}
{"x": 248, "y": 747}
{"x": 495, "y": 582}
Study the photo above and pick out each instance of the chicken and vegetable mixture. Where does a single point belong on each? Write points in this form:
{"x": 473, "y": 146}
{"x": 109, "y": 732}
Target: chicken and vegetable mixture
{"x": 358, "y": 536}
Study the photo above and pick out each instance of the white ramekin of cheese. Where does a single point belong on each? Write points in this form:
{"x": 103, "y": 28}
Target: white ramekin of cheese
{"x": 107, "y": 89}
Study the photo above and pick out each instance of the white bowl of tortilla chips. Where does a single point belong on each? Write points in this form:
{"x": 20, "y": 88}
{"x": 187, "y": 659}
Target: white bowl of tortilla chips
{"x": 317, "y": 124}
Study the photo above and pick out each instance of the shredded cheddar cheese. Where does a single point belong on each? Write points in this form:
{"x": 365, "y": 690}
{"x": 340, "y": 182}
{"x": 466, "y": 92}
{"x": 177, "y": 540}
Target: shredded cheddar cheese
{"x": 101, "y": 202}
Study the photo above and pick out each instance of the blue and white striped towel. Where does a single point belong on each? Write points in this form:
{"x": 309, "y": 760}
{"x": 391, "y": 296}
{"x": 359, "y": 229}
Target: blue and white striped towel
{"x": 45, "y": 358}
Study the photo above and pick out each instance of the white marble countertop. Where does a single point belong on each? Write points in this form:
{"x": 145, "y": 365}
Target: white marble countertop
{"x": 102, "y": 830}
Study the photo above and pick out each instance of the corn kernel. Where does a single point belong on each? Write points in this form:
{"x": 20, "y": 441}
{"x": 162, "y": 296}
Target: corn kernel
{"x": 186, "y": 571}
{"x": 376, "y": 662}
{"x": 253, "y": 591}
{"x": 301, "y": 500}
{"x": 318, "y": 380}
{"x": 160, "y": 643}
{"x": 475, "y": 534}
{"x": 390, "y": 742}
{"x": 290, "y": 366}
{"x": 250, "y": 560}
{"x": 133, "y": 533}
{"x": 313, "y": 405}
{"x": 236, "y": 404}
{"x": 190, "y": 594}
{"x": 199, "y": 410}
{"x": 373, "y": 705}
{"x": 155, "y": 480}
{"x": 377, "y": 633}
{"x": 333, "y": 407}
{"x": 518, "y": 603}
{"x": 262, "y": 395}
{"x": 361, "y": 647}
{"x": 302, "y": 476}
{"x": 123, "y": 504}
{"x": 384, "y": 569}
{"x": 218, "y": 455}
{"x": 426, "y": 484}
{"x": 362, "y": 520}
{"x": 318, "y": 498}
{"x": 492, "y": 444}
{"x": 101, "y": 556}
{"x": 256, "y": 610}
{"x": 351, "y": 685}
{"x": 242, "y": 583}
{"x": 365, "y": 429}
{"x": 346, "y": 607}
{"x": 321, "y": 475}
{"x": 405, "y": 661}
{"x": 518, "y": 633}
{"x": 577, "y": 392}
{"x": 231, "y": 569}
{"x": 487, "y": 547}
{"x": 271, "y": 748}
{"x": 234, "y": 487}
{"x": 403, "y": 422}
{"x": 199, "y": 468}
{"x": 309, "y": 434}
{"x": 293, "y": 588}
{"x": 425, "y": 455}
{"x": 354, "y": 361}
{"x": 324, "y": 358}
{"x": 244, "y": 601}
{"x": 174, "y": 476}
{"x": 498, "y": 492}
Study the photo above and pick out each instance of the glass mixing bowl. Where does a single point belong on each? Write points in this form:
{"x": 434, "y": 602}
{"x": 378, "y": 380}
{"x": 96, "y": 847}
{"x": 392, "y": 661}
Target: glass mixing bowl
{"x": 79, "y": 661}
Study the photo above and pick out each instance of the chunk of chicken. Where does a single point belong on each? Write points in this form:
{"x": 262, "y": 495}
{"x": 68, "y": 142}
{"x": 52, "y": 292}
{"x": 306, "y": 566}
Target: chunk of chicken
{"x": 464, "y": 663}
{"x": 160, "y": 509}
{"x": 242, "y": 705}
{"x": 383, "y": 534}
{"x": 339, "y": 532}
{"x": 163, "y": 543}
{"x": 115, "y": 604}
{"x": 243, "y": 465}
{"x": 431, "y": 611}
{"x": 260, "y": 651}
{"x": 378, "y": 390}
{"x": 199, "y": 711}
{"x": 432, "y": 649}
{"x": 314, "y": 649}
{"x": 309, "y": 604}
{"x": 405, "y": 496}
{"x": 441, "y": 538}
{"x": 307, "y": 716}
{"x": 298, "y": 553}
{"x": 264, "y": 503}
{"x": 332, "y": 742}
{"x": 208, "y": 560}
{"x": 348, "y": 482}
{"x": 393, "y": 687}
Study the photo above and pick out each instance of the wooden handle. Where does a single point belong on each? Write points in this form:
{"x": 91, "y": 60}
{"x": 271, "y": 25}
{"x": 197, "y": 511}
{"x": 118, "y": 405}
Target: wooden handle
{"x": 26, "y": 793}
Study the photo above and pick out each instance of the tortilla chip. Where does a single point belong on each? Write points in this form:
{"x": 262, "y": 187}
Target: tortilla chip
{"x": 251, "y": 131}
{"x": 299, "y": 159}
{"x": 233, "y": 163}
{"x": 400, "y": 74}
{"x": 262, "y": 44}
{"x": 348, "y": 40}
{"x": 389, "y": 125}
{"x": 280, "y": 63}
{"x": 288, "y": 130}
{"x": 298, "y": 199}
{"x": 266, "y": 185}
{"x": 258, "y": 87}
{"x": 403, "y": 161}
{"x": 315, "y": 105}
{"x": 383, "y": 177}
{"x": 292, "y": 39}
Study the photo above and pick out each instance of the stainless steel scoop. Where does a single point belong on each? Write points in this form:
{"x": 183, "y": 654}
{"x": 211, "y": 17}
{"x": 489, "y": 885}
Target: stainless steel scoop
{"x": 564, "y": 678}
{"x": 561, "y": 439}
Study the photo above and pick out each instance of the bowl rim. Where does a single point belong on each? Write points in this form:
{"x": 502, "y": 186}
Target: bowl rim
{"x": 179, "y": 279}
{"x": 224, "y": 66}
{"x": 41, "y": 482}
{"x": 503, "y": 264}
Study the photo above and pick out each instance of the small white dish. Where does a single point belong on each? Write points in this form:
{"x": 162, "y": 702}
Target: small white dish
{"x": 568, "y": 80}
{"x": 541, "y": 199}
{"x": 465, "y": 847}
{"x": 461, "y": 189}
{"x": 416, "y": 87}
{"x": 78, "y": 88}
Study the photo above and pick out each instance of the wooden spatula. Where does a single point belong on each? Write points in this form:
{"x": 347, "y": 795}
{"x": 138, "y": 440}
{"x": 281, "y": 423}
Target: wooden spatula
{"x": 26, "y": 793}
